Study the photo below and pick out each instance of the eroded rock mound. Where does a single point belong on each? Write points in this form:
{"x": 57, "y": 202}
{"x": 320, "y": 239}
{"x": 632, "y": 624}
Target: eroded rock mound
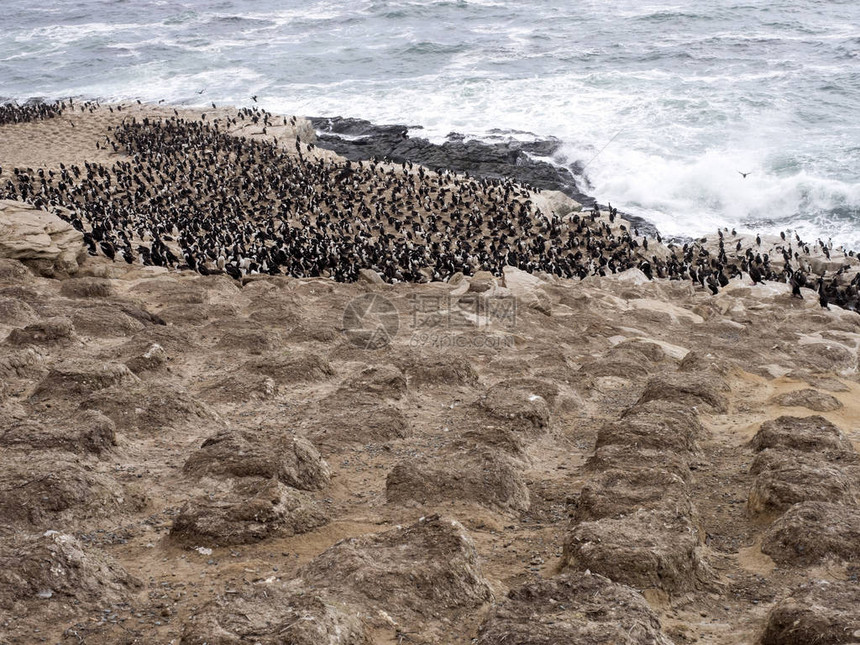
{"x": 255, "y": 509}
{"x": 432, "y": 370}
{"x": 421, "y": 569}
{"x": 649, "y": 549}
{"x": 580, "y": 608}
{"x": 811, "y": 531}
{"x": 270, "y": 616}
{"x": 88, "y": 288}
{"x": 40, "y": 240}
{"x": 291, "y": 460}
{"x": 483, "y": 477}
{"x": 818, "y": 612}
{"x": 56, "y": 567}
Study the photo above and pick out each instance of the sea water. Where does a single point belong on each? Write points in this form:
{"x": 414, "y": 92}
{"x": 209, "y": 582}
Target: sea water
{"x": 663, "y": 103}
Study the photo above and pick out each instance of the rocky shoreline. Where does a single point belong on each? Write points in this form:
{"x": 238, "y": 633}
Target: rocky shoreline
{"x": 361, "y": 140}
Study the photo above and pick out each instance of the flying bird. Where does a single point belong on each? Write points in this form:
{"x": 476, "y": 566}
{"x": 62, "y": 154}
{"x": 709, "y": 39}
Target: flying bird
{"x": 744, "y": 174}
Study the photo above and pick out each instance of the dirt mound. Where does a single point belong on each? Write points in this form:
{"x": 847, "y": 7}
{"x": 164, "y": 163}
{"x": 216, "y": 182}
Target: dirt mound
{"x": 811, "y": 399}
{"x": 87, "y": 288}
{"x": 149, "y": 361}
{"x": 345, "y": 419}
{"x": 287, "y": 368}
{"x": 55, "y": 567}
{"x": 621, "y": 492}
{"x": 150, "y": 407}
{"x": 434, "y": 370}
{"x": 649, "y": 549}
{"x": 271, "y": 616}
{"x": 811, "y": 531}
{"x": 689, "y": 389}
{"x": 823, "y": 357}
{"x": 576, "y": 608}
{"x": 820, "y": 612}
{"x": 633, "y": 457}
{"x": 254, "y": 510}
{"x": 105, "y": 322}
{"x": 22, "y": 363}
{"x": 76, "y": 379}
{"x": 807, "y": 434}
{"x": 248, "y": 341}
{"x": 656, "y": 424}
{"x": 89, "y": 431}
{"x": 16, "y": 312}
{"x": 483, "y": 477}
{"x": 421, "y": 569}
{"x": 237, "y": 389}
{"x": 42, "y": 488}
{"x": 52, "y": 331}
{"x": 788, "y": 482}
{"x": 774, "y": 459}
{"x": 293, "y": 461}
{"x": 515, "y": 401}
{"x": 383, "y": 380}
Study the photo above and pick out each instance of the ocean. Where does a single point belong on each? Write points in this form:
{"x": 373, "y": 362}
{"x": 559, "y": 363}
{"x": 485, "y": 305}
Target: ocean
{"x": 663, "y": 103}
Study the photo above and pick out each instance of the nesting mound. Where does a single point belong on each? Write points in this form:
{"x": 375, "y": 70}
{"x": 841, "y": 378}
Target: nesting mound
{"x": 47, "y": 487}
{"x": 633, "y": 457}
{"x": 580, "y": 608}
{"x": 811, "y": 531}
{"x": 76, "y": 379}
{"x": 618, "y": 492}
{"x": 255, "y": 509}
{"x": 689, "y": 389}
{"x": 295, "y": 367}
{"x": 516, "y": 402}
{"x": 811, "y": 399}
{"x": 105, "y": 321}
{"x": 87, "y": 432}
{"x": 416, "y": 570}
{"x": 818, "y": 612}
{"x": 484, "y": 477}
{"x": 294, "y": 461}
{"x": 150, "y": 407}
{"x": 789, "y": 482}
{"x": 56, "y": 567}
{"x": 667, "y": 427}
{"x": 270, "y": 616}
{"x": 807, "y": 434}
{"x": 345, "y": 419}
{"x": 649, "y": 549}
{"x": 384, "y": 380}
{"x": 51, "y": 331}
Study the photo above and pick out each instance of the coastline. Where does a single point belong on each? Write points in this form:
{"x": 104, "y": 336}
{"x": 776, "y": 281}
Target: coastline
{"x": 189, "y": 457}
